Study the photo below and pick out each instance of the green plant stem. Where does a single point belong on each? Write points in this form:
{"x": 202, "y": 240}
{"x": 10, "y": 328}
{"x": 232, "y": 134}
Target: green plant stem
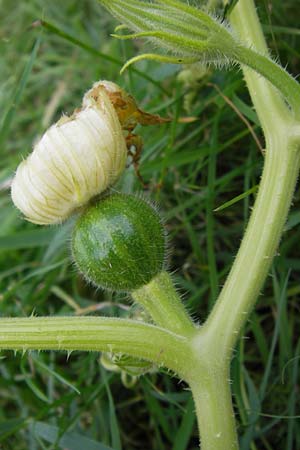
{"x": 244, "y": 13}
{"x": 163, "y": 303}
{"x": 212, "y": 397}
{"x": 259, "y": 244}
{"x": 281, "y": 168}
{"x": 217, "y": 338}
{"x": 266, "y": 99}
{"x": 285, "y": 84}
{"x": 94, "y": 334}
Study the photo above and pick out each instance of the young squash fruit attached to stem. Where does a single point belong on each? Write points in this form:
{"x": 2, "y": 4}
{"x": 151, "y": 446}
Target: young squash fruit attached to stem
{"x": 119, "y": 243}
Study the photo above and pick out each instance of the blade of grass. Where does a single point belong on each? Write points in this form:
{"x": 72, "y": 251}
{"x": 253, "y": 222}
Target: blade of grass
{"x": 31, "y": 383}
{"x": 184, "y": 433}
{"x": 8, "y": 117}
{"x": 210, "y": 221}
{"x": 236, "y": 199}
{"x": 27, "y": 239}
{"x": 161, "y": 421}
{"x": 281, "y": 300}
{"x": 113, "y": 422}
{"x": 291, "y": 434}
{"x": 44, "y": 368}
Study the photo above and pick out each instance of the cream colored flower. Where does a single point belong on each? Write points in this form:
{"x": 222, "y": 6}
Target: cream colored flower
{"x": 77, "y": 158}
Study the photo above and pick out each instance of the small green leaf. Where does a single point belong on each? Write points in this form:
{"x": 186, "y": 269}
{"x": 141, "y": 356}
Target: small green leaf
{"x": 113, "y": 422}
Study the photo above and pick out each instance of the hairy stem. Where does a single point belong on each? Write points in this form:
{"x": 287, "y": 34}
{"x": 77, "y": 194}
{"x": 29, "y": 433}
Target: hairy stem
{"x": 217, "y": 338}
{"x": 259, "y": 244}
{"x": 285, "y": 84}
{"x": 94, "y": 334}
{"x": 270, "y": 211}
{"x": 266, "y": 99}
{"x": 212, "y": 397}
{"x": 161, "y": 300}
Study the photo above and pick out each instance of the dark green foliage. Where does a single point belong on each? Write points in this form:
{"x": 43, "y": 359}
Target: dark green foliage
{"x": 119, "y": 243}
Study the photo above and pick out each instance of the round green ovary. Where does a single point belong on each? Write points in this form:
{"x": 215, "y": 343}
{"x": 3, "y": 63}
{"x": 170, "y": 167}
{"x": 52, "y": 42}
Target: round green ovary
{"x": 119, "y": 243}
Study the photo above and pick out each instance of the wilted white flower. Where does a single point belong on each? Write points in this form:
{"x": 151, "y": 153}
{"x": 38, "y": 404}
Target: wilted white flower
{"x": 77, "y": 158}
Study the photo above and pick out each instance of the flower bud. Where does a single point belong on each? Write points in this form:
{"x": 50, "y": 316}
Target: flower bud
{"x": 185, "y": 34}
{"x": 130, "y": 368}
{"x": 119, "y": 243}
{"x": 77, "y": 158}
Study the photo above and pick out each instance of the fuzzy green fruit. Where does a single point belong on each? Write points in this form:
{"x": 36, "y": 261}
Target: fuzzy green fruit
{"x": 119, "y": 243}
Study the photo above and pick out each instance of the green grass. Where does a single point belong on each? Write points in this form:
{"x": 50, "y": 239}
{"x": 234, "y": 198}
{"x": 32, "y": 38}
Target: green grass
{"x": 203, "y": 175}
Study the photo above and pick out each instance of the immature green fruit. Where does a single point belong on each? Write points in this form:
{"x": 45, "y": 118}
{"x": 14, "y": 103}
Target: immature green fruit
{"x": 119, "y": 243}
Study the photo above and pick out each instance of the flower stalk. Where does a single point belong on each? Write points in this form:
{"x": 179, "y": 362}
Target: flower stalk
{"x": 164, "y": 305}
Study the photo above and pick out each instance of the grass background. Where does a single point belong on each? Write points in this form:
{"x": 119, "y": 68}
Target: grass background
{"x": 57, "y": 401}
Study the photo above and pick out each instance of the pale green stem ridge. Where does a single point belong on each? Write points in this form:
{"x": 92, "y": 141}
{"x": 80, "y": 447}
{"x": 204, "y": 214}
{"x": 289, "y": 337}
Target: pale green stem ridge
{"x": 160, "y": 299}
{"x": 95, "y": 334}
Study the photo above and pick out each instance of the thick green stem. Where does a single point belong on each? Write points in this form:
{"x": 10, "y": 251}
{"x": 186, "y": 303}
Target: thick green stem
{"x": 216, "y": 339}
{"x": 269, "y": 214}
{"x": 285, "y": 84}
{"x": 94, "y": 334}
{"x": 266, "y": 99}
{"x": 259, "y": 244}
{"x": 163, "y": 303}
{"x": 212, "y": 397}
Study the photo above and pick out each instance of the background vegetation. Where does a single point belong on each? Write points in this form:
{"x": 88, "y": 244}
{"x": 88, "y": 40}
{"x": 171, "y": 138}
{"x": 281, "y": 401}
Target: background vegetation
{"x": 202, "y": 169}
